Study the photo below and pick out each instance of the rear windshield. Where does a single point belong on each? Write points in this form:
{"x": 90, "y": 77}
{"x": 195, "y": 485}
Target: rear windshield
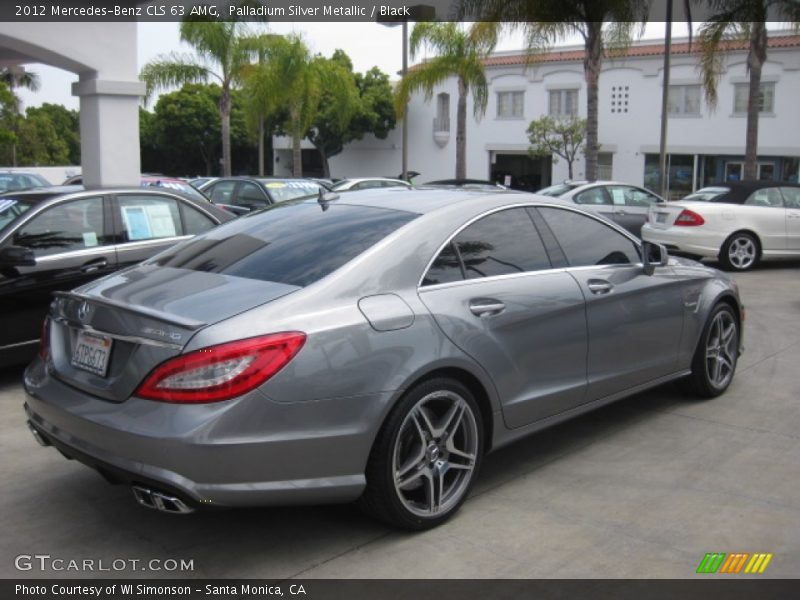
{"x": 294, "y": 243}
{"x": 709, "y": 194}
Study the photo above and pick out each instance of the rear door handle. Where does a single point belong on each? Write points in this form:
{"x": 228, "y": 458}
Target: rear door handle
{"x": 94, "y": 265}
{"x": 600, "y": 286}
{"x": 486, "y": 307}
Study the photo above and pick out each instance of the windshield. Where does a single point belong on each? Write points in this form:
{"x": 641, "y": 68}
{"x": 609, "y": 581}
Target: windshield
{"x": 708, "y": 194}
{"x": 281, "y": 191}
{"x": 292, "y": 243}
{"x": 10, "y": 209}
{"x": 20, "y": 181}
{"x": 180, "y": 186}
{"x": 557, "y": 190}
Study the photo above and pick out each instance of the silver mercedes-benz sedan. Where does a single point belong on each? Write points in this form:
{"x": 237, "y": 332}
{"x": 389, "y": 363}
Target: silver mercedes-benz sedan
{"x": 372, "y": 347}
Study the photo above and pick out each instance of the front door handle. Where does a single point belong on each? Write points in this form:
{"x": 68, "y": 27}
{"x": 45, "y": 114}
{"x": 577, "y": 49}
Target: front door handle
{"x": 794, "y": 215}
{"x": 486, "y": 307}
{"x": 94, "y": 265}
{"x": 600, "y": 286}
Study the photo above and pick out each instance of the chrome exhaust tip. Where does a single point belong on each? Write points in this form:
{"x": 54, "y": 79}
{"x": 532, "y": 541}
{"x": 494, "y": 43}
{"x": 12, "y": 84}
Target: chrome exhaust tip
{"x": 160, "y": 501}
{"x": 40, "y": 439}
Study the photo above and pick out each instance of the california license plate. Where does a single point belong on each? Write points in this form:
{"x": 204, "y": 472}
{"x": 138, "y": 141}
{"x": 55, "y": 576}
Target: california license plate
{"x": 92, "y": 352}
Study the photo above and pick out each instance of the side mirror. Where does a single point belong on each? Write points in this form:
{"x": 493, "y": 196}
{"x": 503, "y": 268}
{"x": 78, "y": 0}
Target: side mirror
{"x": 653, "y": 255}
{"x": 17, "y": 256}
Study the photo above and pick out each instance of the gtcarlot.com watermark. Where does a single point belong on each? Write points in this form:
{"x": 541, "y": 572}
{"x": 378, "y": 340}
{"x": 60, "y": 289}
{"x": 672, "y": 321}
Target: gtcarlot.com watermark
{"x": 46, "y": 562}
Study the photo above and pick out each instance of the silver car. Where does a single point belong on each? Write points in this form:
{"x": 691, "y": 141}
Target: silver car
{"x": 624, "y": 204}
{"x": 371, "y": 347}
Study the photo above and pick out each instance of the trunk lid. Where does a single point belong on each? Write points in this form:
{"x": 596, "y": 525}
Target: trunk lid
{"x": 140, "y": 317}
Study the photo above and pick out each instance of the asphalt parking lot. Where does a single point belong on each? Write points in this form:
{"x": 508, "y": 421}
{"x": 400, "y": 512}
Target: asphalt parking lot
{"x": 642, "y": 488}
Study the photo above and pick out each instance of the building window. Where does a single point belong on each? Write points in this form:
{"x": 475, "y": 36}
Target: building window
{"x": 605, "y": 162}
{"x": 684, "y": 100}
{"x": 680, "y": 174}
{"x": 442, "y": 120}
{"x": 766, "y": 97}
{"x": 511, "y": 105}
{"x": 563, "y": 103}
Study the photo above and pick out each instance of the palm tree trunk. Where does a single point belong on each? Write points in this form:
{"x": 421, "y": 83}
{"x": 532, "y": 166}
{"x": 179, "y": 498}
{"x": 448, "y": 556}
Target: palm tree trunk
{"x": 225, "y": 113}
{"x": 261, "y": 146}
{"x": 592, "y": 64}
{"x": 755, "y": 60}
{"x": 461, "y": 131}
{"x": 297, "y": 155}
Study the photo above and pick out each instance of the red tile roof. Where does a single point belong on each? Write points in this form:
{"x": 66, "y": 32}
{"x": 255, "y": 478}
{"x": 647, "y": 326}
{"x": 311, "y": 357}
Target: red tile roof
{"x": 657, "y": 49}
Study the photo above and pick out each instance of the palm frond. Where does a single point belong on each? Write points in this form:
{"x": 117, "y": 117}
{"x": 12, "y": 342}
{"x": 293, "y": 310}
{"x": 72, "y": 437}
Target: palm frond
{"x": 173, "y": 70}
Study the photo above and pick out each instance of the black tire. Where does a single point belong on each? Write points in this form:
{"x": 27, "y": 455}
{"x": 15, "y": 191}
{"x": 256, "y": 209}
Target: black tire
{"x": 740, "y": 252}
{"x": 705, "y": 381}
{"x": 410, "y": 503}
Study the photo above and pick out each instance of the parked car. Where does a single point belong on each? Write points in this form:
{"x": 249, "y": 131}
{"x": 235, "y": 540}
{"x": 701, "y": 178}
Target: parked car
{"x": 241, "y": 195}
{"x": 627, "y": 205}
{"x": 14, "y": 180}
{"x": 367, "y": 183}
{"x": 57, "y": 238}
{"x": 154, "y": 180}
{"x": 468, "y": 184}
{"x": 375, "y": 347}
{"x": 740, "y": 223}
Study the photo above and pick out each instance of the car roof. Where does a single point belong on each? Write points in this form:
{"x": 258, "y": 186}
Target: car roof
{"x": 429, "y": 200}
{"x": 739, "y": 191}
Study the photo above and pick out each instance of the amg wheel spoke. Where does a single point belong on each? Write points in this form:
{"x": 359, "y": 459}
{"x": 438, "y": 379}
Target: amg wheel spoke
{"x": 426, "y": 423}
{"x": 403, "y": 482}
{"x": 452, "y": 421}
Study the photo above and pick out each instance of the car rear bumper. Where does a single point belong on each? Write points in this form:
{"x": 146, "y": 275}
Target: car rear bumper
{"x": 688, "y": 242}
{"x": 250, "y": 451}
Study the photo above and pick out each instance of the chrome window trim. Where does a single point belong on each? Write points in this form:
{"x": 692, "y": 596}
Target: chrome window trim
{"x": 116, "y": 336}
{"x": 76, "y": 253}
{"x": 123, "y": 246}
{"x": 610, "y": 225}
{"x": 18, "y": 344}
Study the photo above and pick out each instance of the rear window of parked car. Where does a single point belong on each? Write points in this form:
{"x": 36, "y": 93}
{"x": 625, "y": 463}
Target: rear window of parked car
{"x": 294, "y": 243}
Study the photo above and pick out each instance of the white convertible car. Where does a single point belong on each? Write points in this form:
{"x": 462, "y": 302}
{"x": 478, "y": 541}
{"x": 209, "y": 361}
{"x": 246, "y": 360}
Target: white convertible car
{"x": 740, "y": 223}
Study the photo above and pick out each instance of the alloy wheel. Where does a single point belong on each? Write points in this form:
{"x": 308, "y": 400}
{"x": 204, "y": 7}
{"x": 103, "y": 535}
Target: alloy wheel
{"x": 435, "y": 454}
{"x": 721, "y": 349}
{"x": 742, "y": 252}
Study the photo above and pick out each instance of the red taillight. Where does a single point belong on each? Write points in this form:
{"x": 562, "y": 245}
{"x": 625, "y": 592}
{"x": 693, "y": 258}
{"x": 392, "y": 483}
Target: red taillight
{"x": 689, "y": 218}
{"x": 221, "y": 372}
{"x": 44, "y": 339}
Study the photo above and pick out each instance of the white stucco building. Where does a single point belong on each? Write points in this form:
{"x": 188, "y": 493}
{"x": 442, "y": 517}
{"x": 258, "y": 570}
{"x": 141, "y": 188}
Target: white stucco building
{"x": 103, "y": 57}
{"x": 704, "y": 145}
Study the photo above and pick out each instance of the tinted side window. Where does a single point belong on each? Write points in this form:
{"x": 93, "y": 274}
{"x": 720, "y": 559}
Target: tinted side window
{"x": 622, "y": 195}
{"x": 586, "y": 241}
{"x": 791, "y": 197}
{"x": 68, "y": 226}
{"x": 194, "y": 221}
{"x": 221, "y": 192}
{"x": 595, "y": 195}
{"x": 769, "y": 197}
{"x": 295, "y": 244}
{"x": 250, "y": 195}
{"x": 149, "y": 217}
{"x": 446, "y": 268}
{"x": 501, "y": 243}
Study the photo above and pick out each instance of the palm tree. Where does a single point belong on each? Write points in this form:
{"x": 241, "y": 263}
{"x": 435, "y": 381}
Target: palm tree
{"x": 224, "y": 49}
{"x": 459, "y": 53}
{"x": 17, "y": 77}
{"x": 601, "y": 24}
{"x": 742, "y": 20}
{"x": 292, "y": 82}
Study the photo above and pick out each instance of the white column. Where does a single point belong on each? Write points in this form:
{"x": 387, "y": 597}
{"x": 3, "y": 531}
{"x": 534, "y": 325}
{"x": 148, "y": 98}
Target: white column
{"x": 109, "y": 122}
